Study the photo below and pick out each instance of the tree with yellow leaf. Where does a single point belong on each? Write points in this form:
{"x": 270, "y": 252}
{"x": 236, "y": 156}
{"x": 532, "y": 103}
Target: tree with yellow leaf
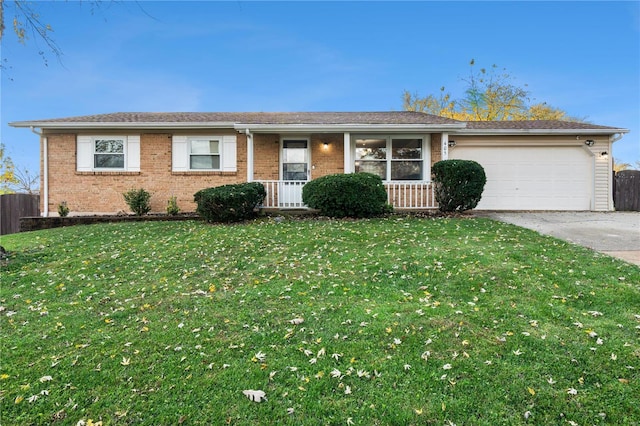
{"x": 7, "y": 172}
{"x": 491, "y": 95}
{"x": 618, "y": 167}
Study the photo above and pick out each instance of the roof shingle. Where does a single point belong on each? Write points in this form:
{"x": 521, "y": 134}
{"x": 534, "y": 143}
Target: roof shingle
{"x": 533, "y": 125}
{"x": 283, "y": 118}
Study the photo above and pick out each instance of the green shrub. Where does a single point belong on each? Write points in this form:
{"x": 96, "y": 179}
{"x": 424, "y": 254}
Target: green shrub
{"x": 63, "y": 209}
{"x": 458, "y": 184}
{"x": 230, "y": 203}
{"x": 172, "y": 206}
{"x": 347, "y": 195}
{"x": 138, "y": 201}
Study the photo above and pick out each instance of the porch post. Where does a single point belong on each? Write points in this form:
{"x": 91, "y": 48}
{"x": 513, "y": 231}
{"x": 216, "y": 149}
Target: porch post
{"x": 348, "y": 164}
{"x": 249, "y": 156}
{"x": 445, "y": 146}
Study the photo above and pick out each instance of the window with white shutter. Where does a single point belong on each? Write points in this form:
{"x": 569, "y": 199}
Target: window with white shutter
{"x": 203, "y": 153}
{"x": 108, "y": 153}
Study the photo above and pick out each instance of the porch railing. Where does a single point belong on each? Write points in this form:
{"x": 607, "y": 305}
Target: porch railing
{"x": 283, "y": 194}
{"x": 417, "y": 195}
{"x": 411, "y": 195}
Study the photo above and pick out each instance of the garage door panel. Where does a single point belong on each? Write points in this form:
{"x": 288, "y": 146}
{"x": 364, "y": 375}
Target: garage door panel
{"x": 533, "y": 178}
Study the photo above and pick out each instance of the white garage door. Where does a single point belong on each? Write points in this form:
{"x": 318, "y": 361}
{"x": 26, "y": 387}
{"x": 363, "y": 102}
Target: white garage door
{"x": 533, "y": 178}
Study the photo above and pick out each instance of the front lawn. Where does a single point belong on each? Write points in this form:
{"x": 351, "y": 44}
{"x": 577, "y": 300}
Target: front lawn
{"x": 391, "y": 321}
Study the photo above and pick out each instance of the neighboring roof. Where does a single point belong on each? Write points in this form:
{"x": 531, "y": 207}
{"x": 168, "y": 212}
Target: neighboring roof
{"x": 314, "y": 121}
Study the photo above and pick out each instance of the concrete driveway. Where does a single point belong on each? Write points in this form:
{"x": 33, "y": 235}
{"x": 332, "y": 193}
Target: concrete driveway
{"x": 616, "y": 234}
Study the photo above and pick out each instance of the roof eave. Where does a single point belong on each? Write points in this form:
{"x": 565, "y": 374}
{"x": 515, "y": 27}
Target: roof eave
{"x": 121, "y": 125}
{"x": 239, "y": 126}
{"x": 323, "y": 128}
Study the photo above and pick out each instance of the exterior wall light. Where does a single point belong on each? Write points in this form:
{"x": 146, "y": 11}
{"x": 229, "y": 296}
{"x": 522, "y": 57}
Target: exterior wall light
{"x": 589, "y": 142}
{"x": 604, "y": 154}
{"x": 325, "y": 145}
{"x": 452, "y": 144}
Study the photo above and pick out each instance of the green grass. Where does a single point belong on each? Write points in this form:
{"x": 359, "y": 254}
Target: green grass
{"x": 421, "y": 321}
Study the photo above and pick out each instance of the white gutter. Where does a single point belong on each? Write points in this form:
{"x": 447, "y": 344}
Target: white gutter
{"x": 123, "y": 125}
{"x": 45, "y": 172}
{"x": 342, "y": 128}
{"x": 617, "y": 136}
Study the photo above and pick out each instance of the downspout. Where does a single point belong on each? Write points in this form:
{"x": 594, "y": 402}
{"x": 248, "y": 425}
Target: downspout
{"x": 45, "y": 172}
{"x": 613, "y": 138}
{"x": 249, "y": 154}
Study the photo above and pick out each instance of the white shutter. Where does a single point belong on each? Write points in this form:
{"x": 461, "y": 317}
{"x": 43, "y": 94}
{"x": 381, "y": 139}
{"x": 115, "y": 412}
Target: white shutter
{"x": 84, "y": 153}
{"x": 180, "y": 154}
{"x": 133, "y": 153}
{"x": 229, "y": 153}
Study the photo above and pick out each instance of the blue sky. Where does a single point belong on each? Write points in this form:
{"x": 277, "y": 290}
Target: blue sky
{"x": 583, "y": 57}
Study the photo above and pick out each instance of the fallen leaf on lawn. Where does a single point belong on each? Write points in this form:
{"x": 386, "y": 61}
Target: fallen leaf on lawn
{"x": 297, "y": 321}
{"x": 255, "y": 395}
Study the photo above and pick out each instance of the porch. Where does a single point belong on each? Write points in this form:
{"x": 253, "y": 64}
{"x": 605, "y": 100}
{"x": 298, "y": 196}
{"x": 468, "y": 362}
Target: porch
{"x": 403, "y": 195}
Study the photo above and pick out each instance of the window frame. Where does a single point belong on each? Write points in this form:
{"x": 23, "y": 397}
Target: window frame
{"x": 94, "y": 141}
{"x": 190, "y": 154}
{"x": 424, "y": 159}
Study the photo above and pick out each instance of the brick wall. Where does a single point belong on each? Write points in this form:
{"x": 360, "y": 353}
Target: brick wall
{"x": 266, "y": 156}
{"x": 101, "y": 192}
{"x": 329, "y": 160}
{"x": 436, "y": 147}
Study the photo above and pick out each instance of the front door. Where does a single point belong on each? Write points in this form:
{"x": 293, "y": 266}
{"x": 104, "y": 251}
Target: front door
{"x": 295, "y": 172}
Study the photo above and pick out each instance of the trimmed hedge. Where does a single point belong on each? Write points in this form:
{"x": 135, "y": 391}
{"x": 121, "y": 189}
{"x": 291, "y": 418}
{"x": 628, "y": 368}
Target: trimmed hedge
{"x": 230, "y": 203}
{"x": 347, "y": 195}
{"x": 459, "y": 184}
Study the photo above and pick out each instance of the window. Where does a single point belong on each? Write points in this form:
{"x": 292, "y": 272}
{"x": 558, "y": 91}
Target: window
{"x": 204, "y": 154}
{"x": 391, "y": 158}
{"x": 406, "y": 159}
{"x": 295, "y": 159}
{"x": 108, "y": 153}
{"x": 371, "y": 156}
{"x": 119, "y": 154}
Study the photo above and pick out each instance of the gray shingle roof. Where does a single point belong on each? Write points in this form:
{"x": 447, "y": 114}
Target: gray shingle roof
{"x": 281, "y": 118}
{"x": 534, "y": 125}
{"x": 311, "y": 119}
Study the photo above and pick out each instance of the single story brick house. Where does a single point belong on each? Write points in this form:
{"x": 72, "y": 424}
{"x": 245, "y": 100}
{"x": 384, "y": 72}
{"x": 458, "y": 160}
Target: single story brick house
{"x": 89, "y": 161}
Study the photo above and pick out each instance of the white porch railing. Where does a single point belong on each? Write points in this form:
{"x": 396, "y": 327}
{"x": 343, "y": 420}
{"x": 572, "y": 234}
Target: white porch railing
{"x": 411, "y": 194}
{"x": 400, "y": 194}
{"x": 283, "y": 194}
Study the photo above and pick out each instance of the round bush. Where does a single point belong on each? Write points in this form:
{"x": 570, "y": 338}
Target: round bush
{"x": 347, "y": 195}
{"x": 458, "y": 184}
{"x": 230, "y": 203}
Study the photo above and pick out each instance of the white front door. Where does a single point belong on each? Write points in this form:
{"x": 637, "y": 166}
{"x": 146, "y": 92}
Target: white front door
{"x": 294, "y": 172}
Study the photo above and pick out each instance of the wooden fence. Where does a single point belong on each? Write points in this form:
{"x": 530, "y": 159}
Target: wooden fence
{"x": 626, "y": 190}
{"x": 15, "y": 206}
